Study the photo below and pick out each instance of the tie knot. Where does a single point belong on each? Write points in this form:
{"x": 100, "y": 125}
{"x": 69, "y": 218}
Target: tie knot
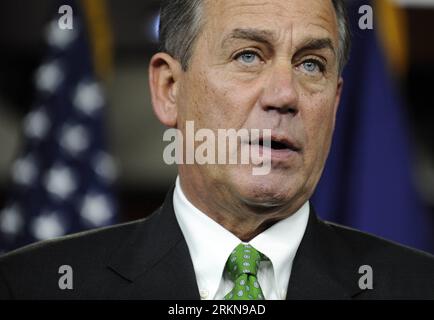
{"x": 244, "y": 260}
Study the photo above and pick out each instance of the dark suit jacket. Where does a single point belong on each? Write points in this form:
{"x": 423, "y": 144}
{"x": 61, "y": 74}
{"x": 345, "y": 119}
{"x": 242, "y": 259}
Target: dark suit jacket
{"x": 149, "y": 259}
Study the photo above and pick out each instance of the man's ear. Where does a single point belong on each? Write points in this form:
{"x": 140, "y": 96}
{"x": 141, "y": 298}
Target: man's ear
{"x": 164, "y": 73}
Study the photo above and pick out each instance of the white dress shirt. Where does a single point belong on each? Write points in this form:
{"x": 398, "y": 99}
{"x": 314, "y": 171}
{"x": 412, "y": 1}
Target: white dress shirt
{"x": 210, "y": 245}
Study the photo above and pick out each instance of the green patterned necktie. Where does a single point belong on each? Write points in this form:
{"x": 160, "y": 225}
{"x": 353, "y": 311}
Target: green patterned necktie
{"x": 242, "y": 267}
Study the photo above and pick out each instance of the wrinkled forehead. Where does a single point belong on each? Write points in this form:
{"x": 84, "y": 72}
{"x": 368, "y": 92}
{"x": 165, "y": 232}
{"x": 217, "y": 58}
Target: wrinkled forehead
{"x": 283, "y": 19}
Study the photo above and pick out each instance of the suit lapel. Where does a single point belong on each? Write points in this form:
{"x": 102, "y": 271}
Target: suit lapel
{"x": 323, "y": 268}
{"x": 155, "y": 259}
{"x": 156, "y": 264}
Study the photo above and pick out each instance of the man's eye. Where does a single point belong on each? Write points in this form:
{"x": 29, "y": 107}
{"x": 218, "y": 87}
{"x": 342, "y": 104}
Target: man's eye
{"x": 313, "y": 66}
{"x": 248, "y": 57}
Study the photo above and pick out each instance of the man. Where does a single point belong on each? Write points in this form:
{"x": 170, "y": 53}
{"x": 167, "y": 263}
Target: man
{"x": 222, "y": 232}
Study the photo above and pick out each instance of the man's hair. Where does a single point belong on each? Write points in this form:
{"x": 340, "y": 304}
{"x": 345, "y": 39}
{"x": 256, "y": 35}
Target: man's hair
{"x": 181, "y": 22}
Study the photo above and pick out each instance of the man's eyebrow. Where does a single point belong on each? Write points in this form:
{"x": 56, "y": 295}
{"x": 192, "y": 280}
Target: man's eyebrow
{"x": 316, "y": 44}
{"x": 257, "y": 35}
{"x": 267, "y": 37}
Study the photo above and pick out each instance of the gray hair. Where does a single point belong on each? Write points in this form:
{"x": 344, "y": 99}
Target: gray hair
{"x": 181, "y": 22}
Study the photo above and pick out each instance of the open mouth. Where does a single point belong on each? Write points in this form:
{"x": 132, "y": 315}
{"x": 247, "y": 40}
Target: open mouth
{"x": 276, "y": 144}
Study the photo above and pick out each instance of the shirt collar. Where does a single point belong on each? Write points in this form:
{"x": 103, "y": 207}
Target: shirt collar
{"x": 280, "y": 243}
{"x": 204, "y": 236}
{"x": 208, "y": 242}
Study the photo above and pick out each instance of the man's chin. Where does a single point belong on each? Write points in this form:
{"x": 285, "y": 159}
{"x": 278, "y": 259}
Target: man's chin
{"x": 263, "y": 192}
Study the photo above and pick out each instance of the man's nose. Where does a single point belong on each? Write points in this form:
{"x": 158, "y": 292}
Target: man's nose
{"x": 280, "y": 92}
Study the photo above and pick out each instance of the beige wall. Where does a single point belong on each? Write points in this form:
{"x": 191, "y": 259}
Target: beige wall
{"x": 136, "y": 134}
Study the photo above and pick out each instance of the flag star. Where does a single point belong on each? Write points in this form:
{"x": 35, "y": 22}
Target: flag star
{"x": 49, "y": 76}
{"x": 60, "y": 182}
{"x": 96, "y": 209}
{"x": 89, "y": 97}
{"x": 58, "y": 37}
{"x": 36, "y": 124}
{"x": 24, "y": 171}
{"x": 11, "y": 220}
{"x": 47, "y": 226}
{"x": 74, "y": 139}
{"x": 105, "y": 166}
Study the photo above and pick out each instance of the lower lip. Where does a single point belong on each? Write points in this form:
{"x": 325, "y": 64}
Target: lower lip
{"x": 275, "y": 154}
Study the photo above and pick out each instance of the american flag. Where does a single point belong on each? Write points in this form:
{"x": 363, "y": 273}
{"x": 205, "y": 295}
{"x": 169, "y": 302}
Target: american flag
{"x": 62, "y": 181}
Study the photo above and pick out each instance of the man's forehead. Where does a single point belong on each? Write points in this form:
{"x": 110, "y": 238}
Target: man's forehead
{"x": 278, "y": 17}
{"x": 321, "y": 8}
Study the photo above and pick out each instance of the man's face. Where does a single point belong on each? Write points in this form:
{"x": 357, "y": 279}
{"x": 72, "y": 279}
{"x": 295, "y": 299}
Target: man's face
{"x": 265, "y": 65}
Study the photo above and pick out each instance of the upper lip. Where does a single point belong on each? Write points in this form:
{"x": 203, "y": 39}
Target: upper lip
{"x": 280, "y": 139}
